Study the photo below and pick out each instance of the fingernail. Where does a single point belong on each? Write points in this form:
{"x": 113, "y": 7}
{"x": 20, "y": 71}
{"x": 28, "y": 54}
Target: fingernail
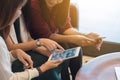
{"x": 26, "y": 64}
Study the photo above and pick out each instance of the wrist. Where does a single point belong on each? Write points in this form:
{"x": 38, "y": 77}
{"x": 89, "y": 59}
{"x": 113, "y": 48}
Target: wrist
{"x": 43, "y": 68}
{"x": 39, "y": 70}
{"x": 14, "y": 53}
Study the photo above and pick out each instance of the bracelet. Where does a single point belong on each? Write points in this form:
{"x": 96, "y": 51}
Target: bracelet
{"x": 38, "y": 43}
{"x": 39, "y": 70}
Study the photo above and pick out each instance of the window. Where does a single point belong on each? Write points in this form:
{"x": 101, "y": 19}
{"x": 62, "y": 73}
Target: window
{"x": 100, "y": 16}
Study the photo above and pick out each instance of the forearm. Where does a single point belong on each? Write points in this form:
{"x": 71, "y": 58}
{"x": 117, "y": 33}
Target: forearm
{"x": 29, "y": 73}
{"x": 72, "y": 31}
{"x": 24, "y": 46}
{"x": 73, "y": 39}
{"x": 61, "y": 38}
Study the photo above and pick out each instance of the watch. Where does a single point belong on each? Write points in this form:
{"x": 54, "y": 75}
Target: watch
{"x": 38, "y": 43}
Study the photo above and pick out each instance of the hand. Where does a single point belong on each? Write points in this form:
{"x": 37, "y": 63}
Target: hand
{"x": 50, "y": 64}
{"x": 24, "y": 58}
{"x": 92, "y": 35}
{"x": 97, "y": 38}
{"x": 99, "y": 42}
{"x": 43, "y": 50}
{"x": 50, "y": 44}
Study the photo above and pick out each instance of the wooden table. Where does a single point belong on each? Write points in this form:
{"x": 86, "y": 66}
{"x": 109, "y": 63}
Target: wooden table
{"x": 100, "y": 68}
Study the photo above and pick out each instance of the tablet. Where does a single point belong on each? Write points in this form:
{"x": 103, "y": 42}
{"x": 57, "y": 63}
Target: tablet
{"x": 66, "y": 54}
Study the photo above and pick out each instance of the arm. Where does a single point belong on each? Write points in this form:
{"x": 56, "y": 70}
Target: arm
{"x": 34, "y": 72}
{"x": 86, "y": 39}
{"x": 31, "y": 44}
{"x": 28, "y": 74}
{"x": 31, "y": 73}
{"x": 5, "y": 66}
{"x": 72, "y": 31}
{"x": 25, "y": 75}
{"x": 96, "y": 37}
{"x": 71, "y": 35}
{"x": 24, "y": 46}
{"x": 74, "y": 39}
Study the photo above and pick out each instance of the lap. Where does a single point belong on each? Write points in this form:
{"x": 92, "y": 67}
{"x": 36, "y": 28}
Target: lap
{"x": 37, "y": 58}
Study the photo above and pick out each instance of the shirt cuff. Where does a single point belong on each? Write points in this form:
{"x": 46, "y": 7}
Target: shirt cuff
{"x": 33, "y": 73}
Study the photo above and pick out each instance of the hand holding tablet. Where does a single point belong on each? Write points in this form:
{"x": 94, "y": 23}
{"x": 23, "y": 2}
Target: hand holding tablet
{"x": 66, "y": 54}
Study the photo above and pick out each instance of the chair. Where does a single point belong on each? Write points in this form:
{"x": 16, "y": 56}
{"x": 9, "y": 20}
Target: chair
{"x": 74, "y": 14}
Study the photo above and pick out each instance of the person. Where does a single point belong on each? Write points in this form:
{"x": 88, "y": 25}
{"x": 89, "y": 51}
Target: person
{"x": 9, "y": 11}
{"x": 45, "y": 46}
{"x": 51, "y": 19}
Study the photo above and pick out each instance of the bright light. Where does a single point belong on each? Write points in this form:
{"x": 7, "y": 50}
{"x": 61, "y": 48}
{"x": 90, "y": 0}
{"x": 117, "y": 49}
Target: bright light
{"x": 100, "y": 16}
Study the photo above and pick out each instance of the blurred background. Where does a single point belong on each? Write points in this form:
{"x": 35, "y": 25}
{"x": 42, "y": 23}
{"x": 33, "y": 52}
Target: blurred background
{"x": 100, "y": 16}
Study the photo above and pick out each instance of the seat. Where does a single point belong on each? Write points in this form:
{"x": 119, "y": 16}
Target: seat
{"x": 74, "y": 14}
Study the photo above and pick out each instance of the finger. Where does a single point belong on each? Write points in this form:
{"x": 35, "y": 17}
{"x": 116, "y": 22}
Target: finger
{"x": 53, "y": 47}
{"x": 57, "y": 61}
{"x": 26, "y": 67}
{"x": 98, "y": 40}
{"x": 58, "y": 50}
{"x": 24, "y": 62}
{"x": 90, "y": 41}
{"x": 60, "y": 47}
{"x": 30, "y": 62}
{"x": 99, "y": 45}
{"x": 48, "y": 46}
{"x": 49, "y": 53}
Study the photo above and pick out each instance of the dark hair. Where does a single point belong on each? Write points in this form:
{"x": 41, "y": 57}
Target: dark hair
{"x": 7, "y": 11}
{"x": 27, "y": 13}
{"x": 61, "y": 12}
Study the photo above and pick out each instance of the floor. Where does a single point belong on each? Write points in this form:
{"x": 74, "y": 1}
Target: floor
{"x": 86, "y": 59}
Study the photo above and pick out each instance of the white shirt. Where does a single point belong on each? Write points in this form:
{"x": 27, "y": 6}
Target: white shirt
{"x": 23, "y": 32}
{"x": 5, "y": 66}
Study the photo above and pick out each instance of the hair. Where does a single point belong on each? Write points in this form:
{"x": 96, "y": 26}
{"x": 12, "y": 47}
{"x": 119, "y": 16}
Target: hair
{"x": 27, "y": 13}
{"x": 8, "y": 9}
{"x": 61, "y": 12}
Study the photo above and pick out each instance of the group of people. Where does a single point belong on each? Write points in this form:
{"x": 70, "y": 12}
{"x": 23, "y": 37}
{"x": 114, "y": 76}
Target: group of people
{"x": 30, "y": 31}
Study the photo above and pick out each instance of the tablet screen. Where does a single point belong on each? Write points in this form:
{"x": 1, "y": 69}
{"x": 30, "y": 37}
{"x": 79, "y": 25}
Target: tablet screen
{"x": 66, "y": 54}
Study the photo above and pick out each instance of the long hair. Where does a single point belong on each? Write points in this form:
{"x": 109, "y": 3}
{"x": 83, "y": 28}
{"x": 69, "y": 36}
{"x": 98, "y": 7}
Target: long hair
{"x": 61, "y": 10}
{"x": 27, "y": 14}
{"x": 8, "y": 9}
